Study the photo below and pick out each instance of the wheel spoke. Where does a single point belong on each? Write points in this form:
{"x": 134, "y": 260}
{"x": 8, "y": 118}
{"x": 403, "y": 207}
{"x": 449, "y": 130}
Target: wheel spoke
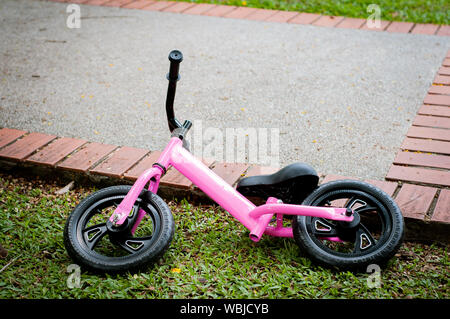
{"x": 363, "y": 239}
{"x": 134, "y": 244}
{"x": 349, "y": 202}
{"x": 93, "y": 234}
{"x": 354, "y": 200}
{"x": 322, "y": 227}
{"x": 361, "y": 210}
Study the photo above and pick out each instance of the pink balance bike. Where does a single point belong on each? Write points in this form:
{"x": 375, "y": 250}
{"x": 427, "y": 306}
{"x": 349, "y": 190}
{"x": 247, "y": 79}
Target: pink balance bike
{"x": 342, "y": 224}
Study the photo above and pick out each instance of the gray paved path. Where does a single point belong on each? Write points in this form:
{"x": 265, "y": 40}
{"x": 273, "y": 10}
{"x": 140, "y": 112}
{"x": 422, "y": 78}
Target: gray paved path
{"x": 342, "y": 99}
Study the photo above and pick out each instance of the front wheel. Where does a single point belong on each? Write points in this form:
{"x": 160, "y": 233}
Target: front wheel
{"x": 92, "y": 243}
{"x": 373, "y": 237}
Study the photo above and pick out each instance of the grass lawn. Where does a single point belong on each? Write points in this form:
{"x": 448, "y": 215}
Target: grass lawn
{"x": 418, "y": 11}
{"x": 211, "y": 256}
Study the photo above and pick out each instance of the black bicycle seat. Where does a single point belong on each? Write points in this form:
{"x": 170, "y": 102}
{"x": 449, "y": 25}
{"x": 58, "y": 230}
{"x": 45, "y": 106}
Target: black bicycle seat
{"x": 291, "y": 184}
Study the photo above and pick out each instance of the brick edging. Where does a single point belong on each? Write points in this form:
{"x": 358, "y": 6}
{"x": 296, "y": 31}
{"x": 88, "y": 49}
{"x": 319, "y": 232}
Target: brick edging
{"x": 79, "y": 159}
{"x": 423, "y": 159}
{"x": 279, "y": 16}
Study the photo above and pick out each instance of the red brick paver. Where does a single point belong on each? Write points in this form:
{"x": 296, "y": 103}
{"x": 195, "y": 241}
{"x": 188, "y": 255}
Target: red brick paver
{"x": 400, "y": 27}
{"x": 56, "y": 151}
{"x": 305, "y": 18}
{"x": 419, "y": 175}
{"x": 424, "y": 28}
{"x": 200, "y": 8}
{"x": 436, "y": 110}
{"x": 25, "y": 146}
{"x": 432, "y": 121}
{"x": 158, "y": 5}
{"x": 333, "y": 177}
{"x": 260, "y": 170}
{"x": 382, "y": 27}
{"x": 72, "y": 1}
{"x": 96, "y": 2}
{"x": 327, "y": 21}
{"x": 179, "y": 7}
{"x": 230, "y": 172}
{"x": 219, "y": 11}
{"x": 138, "y": 4}
{"x": 440, "y": 89}
{"x": 120, "y": 161}
{"x": 429, "y": 132}
{"x": 86, "y": 157}
{"x": 446, "y": 62}
{"x": 444, "y": 30}
{"x": 142, "y": 165}
{"x": 414, "y": 200}
{"x": 442, "y": 210}
{"x": 117, "y": 3}
{"x": 437, "y": 99}
{"x": 387, "y": 187}
{"x": 282, "y": 16}
{"x": 8, "y": 135}
{"x": 421, "y": 159}
{"x": 442, "y": 79}
{"x": 240, "y": 13}
{"x": 351, "y": 23}
{"x": 176, "y": 179}
{"x": 444, "y": 70}
{"x": 426, "y": 145}
{"x": 261, "y": 14}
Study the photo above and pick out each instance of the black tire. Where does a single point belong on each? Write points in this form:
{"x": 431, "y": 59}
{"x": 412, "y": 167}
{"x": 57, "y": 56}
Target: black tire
{"x": 128, "y": 252}
{"x": 375, "y": 206}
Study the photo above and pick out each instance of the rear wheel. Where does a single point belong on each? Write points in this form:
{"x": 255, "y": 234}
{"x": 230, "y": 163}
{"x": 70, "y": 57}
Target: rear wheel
{"x": 372, "y": 238}
{"x": 91, "y": 241}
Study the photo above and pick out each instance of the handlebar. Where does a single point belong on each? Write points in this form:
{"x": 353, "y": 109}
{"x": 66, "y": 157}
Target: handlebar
{"x": 175, "y": 58}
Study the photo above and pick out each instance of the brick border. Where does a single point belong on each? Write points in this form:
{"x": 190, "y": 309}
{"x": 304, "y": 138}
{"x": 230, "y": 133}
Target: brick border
{"x": 425, "y": 208}
{"x": 424, "y": 156}
{"x": 278, "y": 16}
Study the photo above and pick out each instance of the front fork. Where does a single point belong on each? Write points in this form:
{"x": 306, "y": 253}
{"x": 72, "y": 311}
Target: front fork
{"x": 122, "y": 211}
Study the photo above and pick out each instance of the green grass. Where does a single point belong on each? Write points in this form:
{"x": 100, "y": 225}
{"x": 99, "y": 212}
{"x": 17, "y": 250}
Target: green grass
{"x": 418, "y": 11}
{"x": 211, "y": 256}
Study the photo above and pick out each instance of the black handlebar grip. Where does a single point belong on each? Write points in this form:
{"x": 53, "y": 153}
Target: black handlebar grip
{"x": 175, "y": 58}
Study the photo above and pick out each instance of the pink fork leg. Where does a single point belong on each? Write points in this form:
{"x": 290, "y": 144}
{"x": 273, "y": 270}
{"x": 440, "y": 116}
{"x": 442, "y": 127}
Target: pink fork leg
{"x": 153, "y": 187}
{"x": 141, "y": 214}
{"x": 121, "y": 212}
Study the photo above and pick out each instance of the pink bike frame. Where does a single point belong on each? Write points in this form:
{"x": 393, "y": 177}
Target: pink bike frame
{"x": 255, "y": 218}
